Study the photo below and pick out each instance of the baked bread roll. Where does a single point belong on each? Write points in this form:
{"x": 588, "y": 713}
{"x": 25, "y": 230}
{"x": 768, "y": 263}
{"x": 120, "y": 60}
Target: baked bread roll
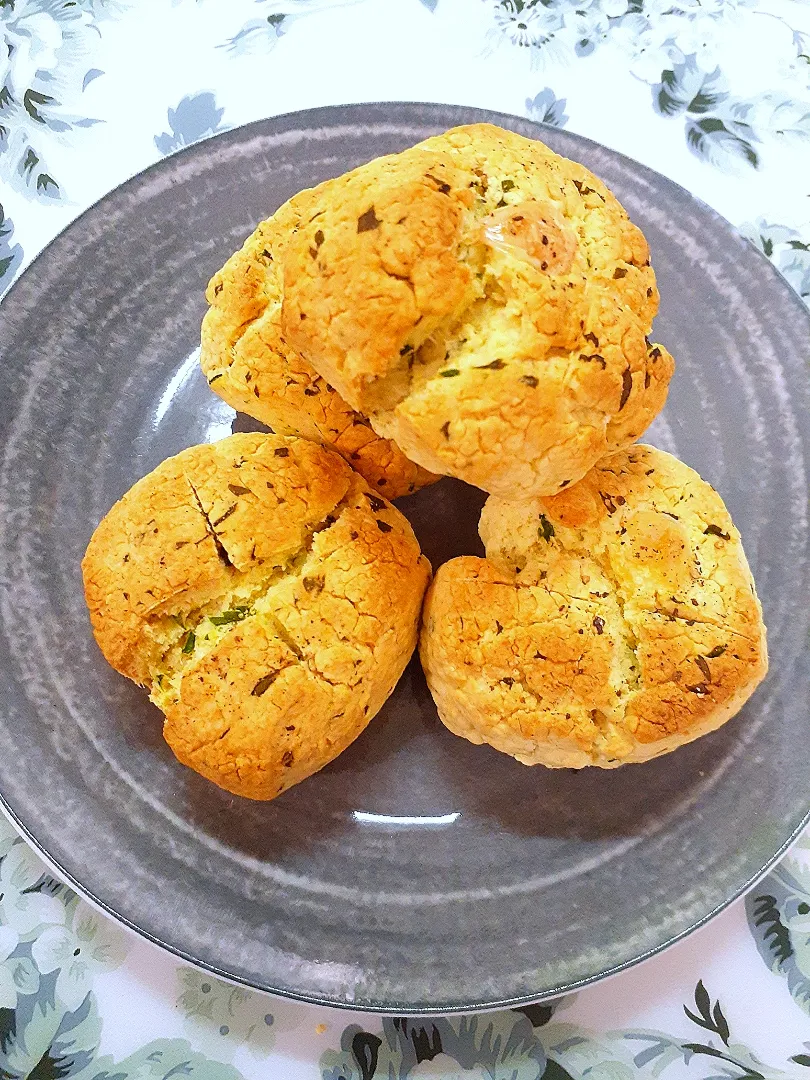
{"x": 485, "y": 303}
{"x": 610, "y": 623}
{"x": 265, "y": 597}
{"x": 248, "y": 363}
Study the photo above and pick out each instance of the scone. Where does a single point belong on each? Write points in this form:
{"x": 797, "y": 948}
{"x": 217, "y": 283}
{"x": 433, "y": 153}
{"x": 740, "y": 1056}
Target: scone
{"x": 610, "y": 623}
{"x": 266, "y": 598}
{"x": 247, "y": 361}
{"x": 485, "y": 303}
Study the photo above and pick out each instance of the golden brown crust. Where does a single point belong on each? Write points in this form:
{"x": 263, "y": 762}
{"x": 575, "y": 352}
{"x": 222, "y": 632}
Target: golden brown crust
{"x": 408, "y": 288}
{"x": 248, "y": 363}
{"x": 610, "y": 623}
{"x": 266, "y": 598}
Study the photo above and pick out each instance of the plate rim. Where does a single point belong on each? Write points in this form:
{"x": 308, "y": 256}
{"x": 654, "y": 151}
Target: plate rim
{"x": 377, "y": 112}
{"x": 381, "y": 107}
{"x": 379, "y": 1008}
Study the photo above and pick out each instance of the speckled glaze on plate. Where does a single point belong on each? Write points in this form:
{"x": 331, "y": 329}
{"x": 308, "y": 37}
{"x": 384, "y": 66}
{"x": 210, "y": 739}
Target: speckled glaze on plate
{"x": 417, "y": 873}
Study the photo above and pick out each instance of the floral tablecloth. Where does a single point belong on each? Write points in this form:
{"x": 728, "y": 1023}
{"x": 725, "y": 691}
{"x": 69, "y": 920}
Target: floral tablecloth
{"x": 714, "y": 94}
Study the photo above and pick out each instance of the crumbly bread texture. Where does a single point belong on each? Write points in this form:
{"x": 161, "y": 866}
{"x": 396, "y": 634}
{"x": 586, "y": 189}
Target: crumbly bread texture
{"x": 485, "y": 303}
{"x": 266, "y": 598}
{"x": 610, "y": 623}
{"x": 247, "y": 361}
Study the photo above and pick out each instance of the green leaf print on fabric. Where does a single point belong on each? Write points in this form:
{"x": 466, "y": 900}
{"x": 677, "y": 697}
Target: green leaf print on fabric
{"x": 711, "y": 1019}
{"x": 52, "y": 947}
{"x": 509, "y": 1046}
{"x": 712, "y": 129}
{"x": 44, "y": 45}
{"x": 683, "y": 51}
{"x": 18, "y": 974}
{"x": 8, "y": 834}
{"x": 45, "y": 1040}
{"x": 720, "y": 144}
{"x": 87, "y": 946}
{"x": 500, "y": 1046}
{"x": 687, "y": 89}
{"x": 194, "y": 118}
{"x": 164, "y": 1059}
{"x": 221, "y": 1019}
{"x": 787, "y": 249}
{"x": 277, "y": 16}
{"x": 778, "y": 911}
{"x": 24, "y": 907}
{"x": 11, "y": 256}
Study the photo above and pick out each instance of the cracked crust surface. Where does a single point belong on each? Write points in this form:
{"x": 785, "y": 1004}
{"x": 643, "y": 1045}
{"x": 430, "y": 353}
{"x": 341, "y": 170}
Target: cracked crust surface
{"x": 608, "y": 624}
{"x": 486, "y": 303}
{"x": 247, "y": 362}
{"x": 266, "y": 598}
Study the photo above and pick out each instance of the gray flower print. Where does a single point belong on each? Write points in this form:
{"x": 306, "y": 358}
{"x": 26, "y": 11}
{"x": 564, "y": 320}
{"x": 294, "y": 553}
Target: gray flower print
{"x": 10, "y": 253}
{"x": 194, "y": 118}
{"x": 547, "y": 108}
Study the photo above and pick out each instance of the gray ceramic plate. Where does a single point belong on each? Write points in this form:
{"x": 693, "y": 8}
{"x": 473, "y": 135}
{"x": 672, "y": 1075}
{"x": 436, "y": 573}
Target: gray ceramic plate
{"x": 417, "y": 873}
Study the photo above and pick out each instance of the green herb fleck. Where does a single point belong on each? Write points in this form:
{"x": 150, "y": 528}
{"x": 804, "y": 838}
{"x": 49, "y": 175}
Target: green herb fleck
{"x": 702, "y": 663}
{"x": 546, "y": 530}
{"x": 233, "y": 615}
{"x": 715, "y": 530}
{"x": 443, "y": 187}
{"x": 627, "y": 386}
{"x": 449, "y": 373}
{"x": 583, "y": 189}
{"x": 718, "y": 650}
{"x": 225, "y": 516}
{"x": 507, "y": 185}
{"x": 189, "y": 642}
{"x": 264, "y": 682}
{"x": 368, "y": 221}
